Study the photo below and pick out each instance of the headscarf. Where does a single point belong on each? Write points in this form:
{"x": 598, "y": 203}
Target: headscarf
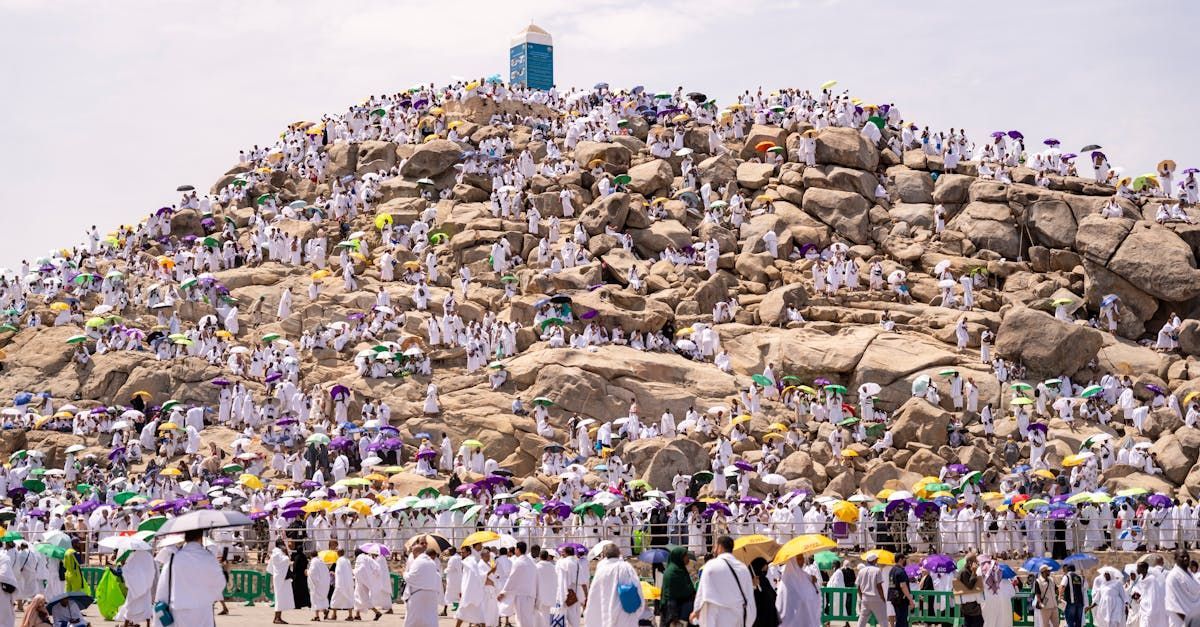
{"x": 677, "y": 583}
{"x": 36, "y": 613}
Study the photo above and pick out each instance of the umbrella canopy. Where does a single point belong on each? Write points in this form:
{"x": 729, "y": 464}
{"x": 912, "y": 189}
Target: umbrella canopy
{"x": 805, "y": 544}
{"x": 205, "y": 519}
{"x": 748, "y": 548}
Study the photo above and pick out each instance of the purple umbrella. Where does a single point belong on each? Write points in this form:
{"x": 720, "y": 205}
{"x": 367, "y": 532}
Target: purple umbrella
{"x": 466, "y": 487}
{"x": 338, "y": 391}
{"x": 939, "y": 564}
{"x": 743, "y": 465}
{"x": 310, "y": 484}
{"x": 504, "y": 509}
{"x": 960, "y": 469}
{"x": 998, "y": 134}
{"x": 392, "y": 444}
{"x": 562, "y": 510}
{"x": 273, "y": 377}
{"x": 589, "y": 314}
{"x": 220, "y": 382}
{"x": 117, "y": 453}
{"x": 913, "y": 571}
{"x": 1016, "y": 135}
{"x": 717, "y": 507}
{"x": 427, "y": 454}
{"x": 340, "y": 442}
{"x": 750, "y": 500}
{"x": 821, "y": 381}
{"x": 895, "y": 506}
{"x": 1050, "y": 141}
{"x": 258, "y": 515}
{"x": 574, "y": 546}
{"x": 221, "y": 481}
{"x": 1155, "y": 388}
{"x": 376, "y": 446}
{"x": 162, "y": 210}
{"x": 1159, "y": 500}
{"x": 1062, "y": 514}
{"x": 686, "y": 500}
{"x": 1069, "y": 155}
{"x": 924, "y": 507}
{"x": 283, "y": 422}
{"x": 1037, "y": 426}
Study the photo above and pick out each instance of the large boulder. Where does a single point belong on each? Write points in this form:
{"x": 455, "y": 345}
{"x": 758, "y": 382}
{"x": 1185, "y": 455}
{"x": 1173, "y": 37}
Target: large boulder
{"x": 919, "y": 421}
{"x": 772, "y": 309}
{"x": 913, "y": 186}
{"x": 846, "y": 147}
{"x": 649, "y": 177}
{"x": 1159, "y": 262}
{"x": 610, "y": 210}
{"x": 666, "y": 458}
{"x": 431, "y": 159}
{"x": 1097, "y": 237}
{"x": 614, "y": 156}
{"x": 717, "y": 170}
{"x": 760, "y": 133}
{"x": 663, "y": 233}
{"x": 989, "y": 226}
{"x": 952, "y": 189}
{"x": 754, "y": 175}
{"x": 1052, "y": 223}
{"x": 846, "y": 212}
{"x": 1045, "y": 344}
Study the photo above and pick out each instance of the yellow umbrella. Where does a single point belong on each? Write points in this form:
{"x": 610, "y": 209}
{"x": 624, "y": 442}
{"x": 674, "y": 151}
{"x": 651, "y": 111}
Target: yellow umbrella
{"x": 991, "y": 496}
{"x": 778, "y": 426}
{"x": 315, "y": 506}
{"x": 771, "y": 437}
{"x": 1043, "y": 473}
{"x": 530, "y": 497}
{"x": 744, "y": 418}
{"x": 882, "y": 557}
{"x": 747, "y": 548}
{"x": 142, "y": 393}
{"x": 845, "y": 511}
{"x": 170, "y": 472}
{"x": 412, "y": 265}
{"x": 329, "y": 557}
{"x": 383, "y": 220}
{"x": 320, "y": 274}
{"x": 1070, "y": 461}
{"x": 375, "y": 477}
{"x": 828, "y": 84}
{"x": 168, "y": 426}
{"x": 849, "y": 453}
{"x": 59, "y": 306}
{"x": 884, "y": 493}
{"x": 250, "y": 481}
{"x": 362, "y": 506}
{"x": 806, "y": 544}
{"x": 480, "y": 537}
{"x": 650, "y": 592}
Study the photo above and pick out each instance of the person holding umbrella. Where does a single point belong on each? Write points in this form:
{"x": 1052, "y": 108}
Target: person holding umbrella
{"x": 203, "y": 582}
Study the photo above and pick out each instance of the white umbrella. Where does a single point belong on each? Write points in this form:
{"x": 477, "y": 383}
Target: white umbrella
{"x": 120, "y": 424}
{"x": 622, "y": 421}
{"x": 598, "y": 549}
{"x": 869, "y": 389}
{"x": 899, "y": 495}
{"x": 686, "y": 424}
{"x": 718, "y": 409}
{"x": 941, "y": 266}
{"x": 74, "y": 448}
{"x": 773, "y": 479}
{"x": 897, "y": 276}
{"x": 124, "y": 543}
{"x": 205, "y": 519}
{"x": 686, "y": 345}
{"x": 946, "y": 284}
{"x": 585, "y": 422}
{"x": 920, "y": 385}
{"x": 505, "y": 541}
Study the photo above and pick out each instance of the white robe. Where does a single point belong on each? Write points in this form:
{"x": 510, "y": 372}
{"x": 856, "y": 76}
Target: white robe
{"x": 1183, "y": 596}
{"x": 718, "y": 600}
{"x": 520, "y": 590}
{"x": 476, "y": 607}
{"x": 343, "y": 585}
{"x": 191, "y": 596}
{"x": 318, "y": 584}
{"x": 423, "y": 592}
{"x": 8, "y": 617}
{"x": 798, "y": 600}
{"x": 138, "y": 574}
{"x": 281, "y": 586}
{"x": 604, "y": 606}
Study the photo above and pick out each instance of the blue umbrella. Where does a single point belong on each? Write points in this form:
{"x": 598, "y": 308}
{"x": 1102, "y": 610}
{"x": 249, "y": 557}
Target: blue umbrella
{"x": 1082, "y": 560}
{"x": 1034, "y": 564}
{"x": 653, "y": 556}
{"x": 1006, "y": 572}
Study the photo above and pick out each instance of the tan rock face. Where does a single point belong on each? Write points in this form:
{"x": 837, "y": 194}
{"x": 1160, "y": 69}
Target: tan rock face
{"x": 1047, "y": 345}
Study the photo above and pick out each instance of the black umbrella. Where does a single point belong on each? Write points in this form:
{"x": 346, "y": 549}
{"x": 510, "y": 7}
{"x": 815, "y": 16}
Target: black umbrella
{"x": 697, "y": 96}
{"x": 81, "y": 600}
{"x": 430, "y": 539}
{"x": 185, "y": 188}
{"x": 1090, "y": 147}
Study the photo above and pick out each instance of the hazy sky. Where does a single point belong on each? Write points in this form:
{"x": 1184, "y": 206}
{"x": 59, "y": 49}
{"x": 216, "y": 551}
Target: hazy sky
{"x": 111, "y": 105}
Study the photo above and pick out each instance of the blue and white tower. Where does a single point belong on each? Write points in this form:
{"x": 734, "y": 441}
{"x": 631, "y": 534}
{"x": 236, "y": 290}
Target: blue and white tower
{"x": 531, "y": 59}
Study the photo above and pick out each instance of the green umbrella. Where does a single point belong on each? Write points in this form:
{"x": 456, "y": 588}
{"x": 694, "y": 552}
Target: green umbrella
{"x": 350, "y": 243}
{"x": 211, "y": 242}
{"x": 1091, "y": 391}
{"x": 37, "y": 472}
{"x": 261, "y": 199}
{"x": 169, "y": 405}
{"x": 947, "y": 372}
{"x": 233, "y": 468}
{"x": 623, "y": 179}
{"x": 937, "y": 487}
{"x": 35, "y": 486}
{"x": 1021, "y": 386}
{"x": 662, "y": 95}
{"x": 833, "y": 387}
{"x": 317, "y": 438}
{"x": 12, "y": 536}
{"x": 123, "y": 497}
{"x": 83, "y": 488}
{"x": 558, "y": 322}
{"x": 849, "y": 422}
{"x": 791, "y": 379}
{"x": 543, "y": 401}
{"x": 83, "y": 278}
{"x": 21, "y": 454}
{"x": 190, "y": 283}
{"x": 508, "y": 278}
{"x": 51, "y": 551}
{"x": 879, "y": 507}
{"x": 825, "y": 560}
{"x": 77, "y": 339}
{"x": 877, "y": 121}
{"x": 270, "y": 337}
{"x": 152, "y": 524}
{"x": 8, "y": 327}
{"x": 973, "y": 477}
{"x": 762, "y": 380}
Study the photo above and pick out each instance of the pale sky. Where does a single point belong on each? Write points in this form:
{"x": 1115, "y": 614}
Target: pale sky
{"x": 111, "y": 105}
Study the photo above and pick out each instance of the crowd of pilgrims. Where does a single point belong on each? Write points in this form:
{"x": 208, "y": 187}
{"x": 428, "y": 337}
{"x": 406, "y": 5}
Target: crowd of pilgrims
{"x": 101, "y": 286}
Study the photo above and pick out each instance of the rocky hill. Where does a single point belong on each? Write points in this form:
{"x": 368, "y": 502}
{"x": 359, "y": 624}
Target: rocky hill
{"x": 1035, "y": 245}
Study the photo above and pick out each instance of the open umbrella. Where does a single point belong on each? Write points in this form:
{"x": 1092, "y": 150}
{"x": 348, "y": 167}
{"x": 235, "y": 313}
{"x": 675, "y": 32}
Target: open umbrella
{"x": 205, "y": 519}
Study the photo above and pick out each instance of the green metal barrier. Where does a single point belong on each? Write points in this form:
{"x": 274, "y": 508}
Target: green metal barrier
{"x": 247, "y": 585}
{"x": 839, "y": 605}
{"x": 934, "y": 606}
{"x": 91, "y": 578}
